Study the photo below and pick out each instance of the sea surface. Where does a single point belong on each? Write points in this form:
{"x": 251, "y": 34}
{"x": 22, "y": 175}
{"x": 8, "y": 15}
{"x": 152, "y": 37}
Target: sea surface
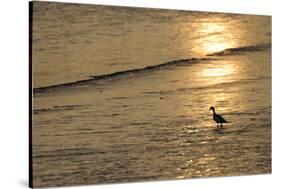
{"x": 123, "y": 94}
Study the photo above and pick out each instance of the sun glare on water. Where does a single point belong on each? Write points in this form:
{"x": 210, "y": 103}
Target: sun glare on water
{"x": 221, "y": 71}
{"x": 215, "y": 37}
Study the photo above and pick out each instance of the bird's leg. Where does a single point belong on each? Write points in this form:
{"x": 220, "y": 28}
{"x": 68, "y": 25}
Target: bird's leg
{"x": 217, "y": 125}
{"x": 221, "y": 125}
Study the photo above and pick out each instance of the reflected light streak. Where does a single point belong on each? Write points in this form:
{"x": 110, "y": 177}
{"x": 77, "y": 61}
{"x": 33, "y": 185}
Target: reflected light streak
{"x": 217, "y": 38}
{"x": 215, "y": 72}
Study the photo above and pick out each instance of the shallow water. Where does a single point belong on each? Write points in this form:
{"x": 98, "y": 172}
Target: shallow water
{"x": 154, "y": 123}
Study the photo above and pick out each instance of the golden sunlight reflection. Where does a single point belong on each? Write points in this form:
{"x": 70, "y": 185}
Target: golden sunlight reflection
{"x": 219, "y": 97}
{"x": 221, "y": 70}
{"x": 207, "y": 159}
{"x": 217, "y": 73}
{"x": 214, "y": 37}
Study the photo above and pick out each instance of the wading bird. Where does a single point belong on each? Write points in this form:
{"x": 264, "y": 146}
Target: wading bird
{"x": 218, "y": 118}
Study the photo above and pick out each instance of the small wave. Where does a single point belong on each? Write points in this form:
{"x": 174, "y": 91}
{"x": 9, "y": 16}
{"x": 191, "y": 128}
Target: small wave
{"x": 92, "y": 79}
{"x": 119, "y": 98}
{"x": 239, "y": 50}
{"x": 119, "y": 74}
{"x": 214, "y": 86}
{"x": 58, "y": 108}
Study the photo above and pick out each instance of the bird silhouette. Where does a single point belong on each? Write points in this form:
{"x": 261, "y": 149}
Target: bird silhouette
{"x": 217, "y": 118}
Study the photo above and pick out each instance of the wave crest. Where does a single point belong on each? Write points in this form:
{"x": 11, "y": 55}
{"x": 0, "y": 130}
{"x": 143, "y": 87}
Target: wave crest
{"x": 118, "y": 74}
{"x": 92, "y": 79}
{"x": 239, "y": 50}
